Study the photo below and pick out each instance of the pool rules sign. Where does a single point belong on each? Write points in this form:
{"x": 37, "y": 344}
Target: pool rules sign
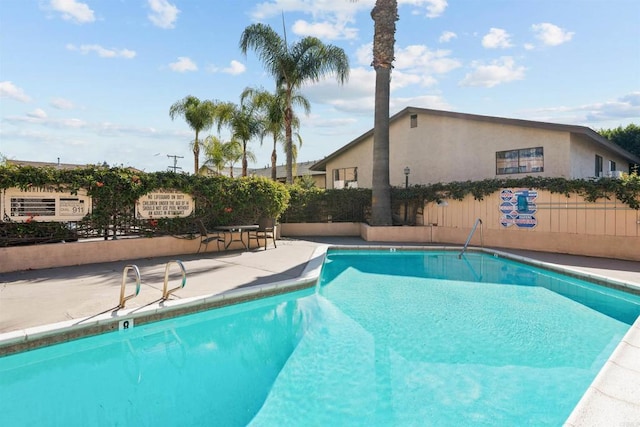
{"x": 164, "y": 204}
{"x": 518, "y": 208}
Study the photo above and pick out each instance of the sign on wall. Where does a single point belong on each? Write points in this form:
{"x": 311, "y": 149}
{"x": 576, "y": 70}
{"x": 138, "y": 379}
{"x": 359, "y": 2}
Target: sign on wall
{"x": 44, "y": 204}
{"x": 518, "y": 207}
{"x": 164, "y": 204}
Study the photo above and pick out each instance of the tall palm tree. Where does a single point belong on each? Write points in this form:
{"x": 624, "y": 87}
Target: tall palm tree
{"x": 385, "y": 15}
{"x": 198, "y": 115}
{"x": 244, "y": 123}
{"x": 292, "y": 66}
{"x": 273, "y": 108}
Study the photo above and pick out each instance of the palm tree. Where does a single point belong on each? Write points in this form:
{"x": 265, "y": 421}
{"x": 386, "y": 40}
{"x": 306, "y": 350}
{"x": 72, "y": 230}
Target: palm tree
{"x": 292, "y": 66}
{"x": 214, "y": 153}
{"x": 233, "y": 152}
{"x": 385, "y": 15}
{"x": 243, "y": 122}
{"x": 273, "y": 107}
{"x": 198, "y": 115}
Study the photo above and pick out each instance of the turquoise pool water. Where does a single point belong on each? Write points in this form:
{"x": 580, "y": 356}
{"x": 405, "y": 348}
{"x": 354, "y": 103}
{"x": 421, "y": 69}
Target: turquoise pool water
{"x": 404, "y": 338}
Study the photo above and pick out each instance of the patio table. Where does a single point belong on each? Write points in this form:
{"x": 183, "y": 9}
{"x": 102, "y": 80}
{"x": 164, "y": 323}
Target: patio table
{"x": 242, "y": 229}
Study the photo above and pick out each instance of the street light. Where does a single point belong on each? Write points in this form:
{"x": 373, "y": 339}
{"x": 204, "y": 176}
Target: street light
{"x": 407, "y": 171}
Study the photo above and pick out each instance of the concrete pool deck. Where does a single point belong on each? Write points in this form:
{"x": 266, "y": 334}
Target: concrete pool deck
{"x": 31, "y": 299}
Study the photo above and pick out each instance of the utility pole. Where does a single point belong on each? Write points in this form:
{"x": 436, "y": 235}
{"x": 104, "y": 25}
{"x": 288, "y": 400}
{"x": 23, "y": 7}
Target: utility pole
{"x": 175, "y": 162}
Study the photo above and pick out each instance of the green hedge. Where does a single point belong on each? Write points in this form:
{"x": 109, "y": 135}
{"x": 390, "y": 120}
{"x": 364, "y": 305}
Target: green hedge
{"x": 218, "y": 200}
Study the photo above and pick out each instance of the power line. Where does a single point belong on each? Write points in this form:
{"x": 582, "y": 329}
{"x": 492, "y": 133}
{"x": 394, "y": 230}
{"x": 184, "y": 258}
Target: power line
{"x": 175, "y": 162}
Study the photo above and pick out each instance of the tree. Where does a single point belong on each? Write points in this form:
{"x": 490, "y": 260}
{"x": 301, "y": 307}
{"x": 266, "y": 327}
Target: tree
{"x": 627, "y": 137}
{"x": 233, "y": 152}
{"x": 198, "y": 115}
{"x": 243, "y": 122}
{"x": 385, "y": 15}
{"x": 214, "y": 152}
{"x": 292, "y": 66}
{"x": 272, "y": 107}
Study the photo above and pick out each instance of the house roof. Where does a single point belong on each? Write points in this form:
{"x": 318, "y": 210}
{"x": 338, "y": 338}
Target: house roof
{"x": 299, "y": 169}
{"x": 583, "y": 130}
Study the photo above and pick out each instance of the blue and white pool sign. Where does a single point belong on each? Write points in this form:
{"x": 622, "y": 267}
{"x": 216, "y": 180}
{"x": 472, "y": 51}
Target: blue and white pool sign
{"x": 518, "y": 207}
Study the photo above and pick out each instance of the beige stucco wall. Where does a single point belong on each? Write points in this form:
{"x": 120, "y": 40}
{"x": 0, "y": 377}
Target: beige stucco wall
{"x": 583, "y": 152}
{"x": 445, "y": 149}
{"x": 89, "y": 252}
{"x": 359, "y": 156}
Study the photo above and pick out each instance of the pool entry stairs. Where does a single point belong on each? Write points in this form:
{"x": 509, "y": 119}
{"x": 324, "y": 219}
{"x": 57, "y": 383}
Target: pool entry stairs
{"x": 136, "y": 273}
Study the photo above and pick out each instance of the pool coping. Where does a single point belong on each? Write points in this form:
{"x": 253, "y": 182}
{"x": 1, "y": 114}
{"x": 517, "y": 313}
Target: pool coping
{"x": 614, "y": 394}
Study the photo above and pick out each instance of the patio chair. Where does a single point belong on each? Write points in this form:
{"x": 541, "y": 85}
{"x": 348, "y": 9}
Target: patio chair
{"x": 266, "y": 230}
{"x": 209, "y": 236}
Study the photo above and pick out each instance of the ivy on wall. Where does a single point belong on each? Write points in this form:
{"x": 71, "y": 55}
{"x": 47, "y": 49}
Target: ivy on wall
{"x": 625, "y": 189}
{"x": 219, "y": 200}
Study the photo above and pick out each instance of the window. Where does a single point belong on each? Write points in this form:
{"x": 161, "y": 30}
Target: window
{"x": 598, "y": 166}
{"x": 345, "y": 178}
{"x": 526, "y": 160}
{"x": 612, "y": 166}
{"x": 414, "y": 120}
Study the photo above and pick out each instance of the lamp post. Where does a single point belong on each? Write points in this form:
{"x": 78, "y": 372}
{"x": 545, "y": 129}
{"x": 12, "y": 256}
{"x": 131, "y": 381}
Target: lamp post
{"x": 407, "y": 171}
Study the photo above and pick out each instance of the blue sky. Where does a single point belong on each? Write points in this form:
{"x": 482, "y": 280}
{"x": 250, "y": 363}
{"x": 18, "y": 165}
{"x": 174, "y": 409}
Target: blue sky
{"x": 89, "y": 81}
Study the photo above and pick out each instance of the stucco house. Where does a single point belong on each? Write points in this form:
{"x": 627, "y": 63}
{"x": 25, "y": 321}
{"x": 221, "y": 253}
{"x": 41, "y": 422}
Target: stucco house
{"x": 444, "y": 146}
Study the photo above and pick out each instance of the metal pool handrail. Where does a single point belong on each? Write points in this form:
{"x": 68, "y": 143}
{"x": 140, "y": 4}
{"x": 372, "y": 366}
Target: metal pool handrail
{"x": 124, "y": 299}
{"x": 166, "y": 292}
{"x": 473, "y": 230}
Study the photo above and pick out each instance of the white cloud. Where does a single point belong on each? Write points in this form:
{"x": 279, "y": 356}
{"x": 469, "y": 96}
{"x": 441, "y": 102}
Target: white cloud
{"x": 101, "y": 51}
{"x": 73, "y": 10}
{"x": 447, "y": 36}
{"x": 62, "y": 104}
{"x": 325, "y": 30}
{"x": 420, "y": 59}
{"x": 435, "y": 8}
{"x": 413, "y": 59}
{"x": 325, "y": 9}
{"x": 354, "y": 96}
{"x": 235, "y": 68}
{"x": 183, "y": 64}
{"x": 424, "y": 101}
{"x": 529, "y": 46}
{"x": 40, "y": 117}
{"x": 499, "y": 71}
{"x": 163, "y": 14}
{"x": 38, "y": 113}
{"x": 625, "y": 107}
{"x": 9, "y": 90}
{"x": 551, "y": 35}
{"x": 496, "y": 38}
{"x": 336, "y": 13}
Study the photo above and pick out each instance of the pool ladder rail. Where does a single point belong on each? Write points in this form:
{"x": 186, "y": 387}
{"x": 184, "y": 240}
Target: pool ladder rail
{"x": 165, "y": 291}
{"x": 473, "y": 230}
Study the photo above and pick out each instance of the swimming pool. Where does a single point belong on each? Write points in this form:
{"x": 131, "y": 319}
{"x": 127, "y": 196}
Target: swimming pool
{"x": 356, "y": 350}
